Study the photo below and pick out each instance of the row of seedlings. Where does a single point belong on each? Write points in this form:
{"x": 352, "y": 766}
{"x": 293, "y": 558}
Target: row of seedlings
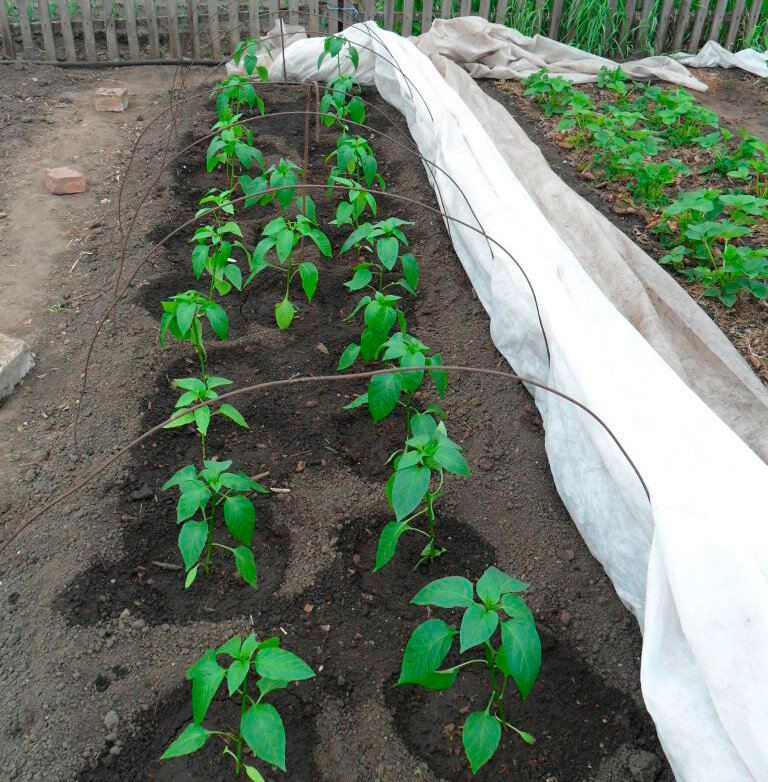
{"x": 496, "y": 622}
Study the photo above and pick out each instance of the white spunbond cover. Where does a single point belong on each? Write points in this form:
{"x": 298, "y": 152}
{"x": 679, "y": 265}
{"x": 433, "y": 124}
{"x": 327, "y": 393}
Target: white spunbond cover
{"x": 691, "y": 562}
{"x": 712, "y": 55}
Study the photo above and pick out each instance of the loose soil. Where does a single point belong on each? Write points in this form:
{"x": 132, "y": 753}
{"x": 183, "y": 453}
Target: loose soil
{"x": 109, "y": 629}
{"x": 741, "y": 101}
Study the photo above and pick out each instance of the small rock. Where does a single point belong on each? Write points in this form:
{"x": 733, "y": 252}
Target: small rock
{"x": 321, "y": 348}
{"x": 643, "y": 766}
{"x": 325, "y": 628}
{"x": 142, "y": 493}
{"x": 312, "y": 403}
{"x": 64, "y": 181}
{"x": 308, "y": 608}
{"x": 565, "y": 618}
{"x": 111, "y": 721}
{"x": 566, "y": 554}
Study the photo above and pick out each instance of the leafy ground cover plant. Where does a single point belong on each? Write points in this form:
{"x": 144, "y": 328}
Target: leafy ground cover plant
{"x": 496, "y": 623}
{"x": 257, "y": 669}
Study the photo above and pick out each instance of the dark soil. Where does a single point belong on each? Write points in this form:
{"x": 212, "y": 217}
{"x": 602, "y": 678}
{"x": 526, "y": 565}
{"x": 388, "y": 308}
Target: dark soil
{"x": 737, "y": 97}
{"x": 124, "y": 630}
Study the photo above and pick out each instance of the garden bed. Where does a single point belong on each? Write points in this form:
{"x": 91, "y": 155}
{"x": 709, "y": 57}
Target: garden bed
{"x": 131, "y": 628}
{"x": 739, "y": 100}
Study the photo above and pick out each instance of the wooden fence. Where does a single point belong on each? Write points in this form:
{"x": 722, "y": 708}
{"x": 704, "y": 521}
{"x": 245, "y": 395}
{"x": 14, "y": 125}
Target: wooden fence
{"x": 90, "y": 30}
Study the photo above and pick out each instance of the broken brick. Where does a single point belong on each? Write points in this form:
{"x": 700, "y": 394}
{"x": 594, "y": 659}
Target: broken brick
{"x": 64, "y": 181}
{"x": 110, "y": 99}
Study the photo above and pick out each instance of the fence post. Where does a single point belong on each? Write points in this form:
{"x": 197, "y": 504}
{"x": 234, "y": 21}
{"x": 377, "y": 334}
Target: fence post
{"x": 66, "y": 31}
{"x": 110, "y": 29}
{"x": 28, "y": 45}
{"x": 130, "y": 28}
{"x": 554, "y": 22}
{"x": 5, "y": 33}
{"x": 754, "y": 13}
{"x": 683, "y": 15}
{"x": 46, "y": 29}
{"x": 501, "y": 11}
{"x": 717, "y": 20}
{"x": 662, "y": 27}
{"x": 733, "y": 29}
{"x": 698, "y": 26}
{"x": 213, "y": 28}
{"x": 233, "y": 20}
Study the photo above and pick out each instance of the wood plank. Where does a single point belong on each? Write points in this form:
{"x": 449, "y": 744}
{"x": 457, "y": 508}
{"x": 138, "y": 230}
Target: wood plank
{"x": 274, "y": 13}
{"x": 717, "y": 20}
{"x": 554, "y": 22}
{"x": 683, "y": 17}
{"x": 313, "y": 23}
{"x": 193, "y": 12}
{"x": 233, "y": 23}
{"x": 446, "y": 9}
{"x": 662, "y": 26}
{"x": 27, "y": 43}
{"x": 369, "y": 10}
{"x": 150, "y": 9}
{"x": 629, "y": 19}
{"x": 254, "y": 20}
{"x": 501, "y": 11}
{"x": 465, "y": 8}
{"x": 174, "y": 44}
{"x": 47, "y": 30}
{"x": 407, "y": 25}
{"x": 333, "y": 17}
{"x": 86, "y": 14}
{"x": 110, "y": 29}
{"x": 610, "y": 27}
{"x": 642, "y": 28}
{"x": 293, "y": 11}
{"x": 389, "y": 14}
{"x": 698, "y": 26}
{"x": 65, "y": 25}
{"x": 5, "y": 33}
{"x": 540, "y": 11}
{"x": 213, "y": 28}
{"x": 733, "y": 29}
{"x": 485, "y": 9}
{"x": 132, "y": 33}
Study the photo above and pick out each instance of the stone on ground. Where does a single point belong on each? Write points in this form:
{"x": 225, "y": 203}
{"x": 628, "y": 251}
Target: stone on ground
{"x": 110, "y": 99}
{"x": 64, "y": 180}
{"x": 15, "y": 361}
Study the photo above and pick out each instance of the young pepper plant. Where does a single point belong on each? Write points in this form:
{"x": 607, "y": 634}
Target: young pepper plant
{"x": 517, "y": 656}
{"x": 257, "y": 669}
{"x": 416, "y": 484}
{"x": 201, "y": 494}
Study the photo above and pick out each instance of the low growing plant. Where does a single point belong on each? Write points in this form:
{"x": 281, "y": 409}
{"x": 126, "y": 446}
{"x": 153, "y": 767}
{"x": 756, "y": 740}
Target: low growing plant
{"x": 491, "y": 606}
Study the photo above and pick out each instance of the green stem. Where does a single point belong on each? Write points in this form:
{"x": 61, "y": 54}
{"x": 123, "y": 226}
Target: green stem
{"x": 242, "y": 714}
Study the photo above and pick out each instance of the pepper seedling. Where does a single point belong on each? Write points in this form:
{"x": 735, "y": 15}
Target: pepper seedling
{"x": 517, "y": 657}
{"x": 256, "y": 667}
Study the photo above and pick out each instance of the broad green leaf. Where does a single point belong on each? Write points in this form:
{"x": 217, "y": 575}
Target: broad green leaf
{"x": 359, "y": 280}
{"x": 233, "y": 414}
{"x": 387, "y": 249}
{"x": 236, "y": 672}
{"x": 246, "y": 565}
{"x": 270, "y": 685}
{"x": 234, "y": 275}
{"x": 388, "y": 540}
{"x": 181, "y": 420}
{"x": 284, "y": 312}
{"x": 284, "y": 243}
{"x": 263, "y": 731}
{"x": 522, "y": 649}
{"x": 321, "y": 241}
{"x": 481, "y": 736}
{"x": 423, "y": 424}
{"x": 253, "y": 774}
{"x": 383, "y": 395}
{"x": 192, "y": 539}
{"x": 274, "y": 663}
{"x": 358, "y": 235}
{"x": 410, "y": 269}
{"x": 408, "y": 489}
{"x": 185, "y": 314}
{"x": 439, "y": 680}
{"x": 357, "y": 402}
{"x": 309, "y": 276}
{"x": 515, "y": 607}
{"x": 217, "y": 317}
{"x": 206, "y": 675}
{"x": 199, "y": 257}
{"x": 191, "y": 576}
{"x": 231, "y": 647}
{"x": 448, "y": 592}
{"x": 493, "y": 584}
{"x": 184, "y": 474}
{"x": 194, "y": 496}
{"x": 425, "y": 651}
{"x": 348, "y": 357}
{"x": 477, "y": 625}
{"x": 240, "y": 517}
{"x": 241, "y": 482}
{"x": 188, "y": 741}
{"x": 202, "y": 419}
{"x": 448, "y": 455}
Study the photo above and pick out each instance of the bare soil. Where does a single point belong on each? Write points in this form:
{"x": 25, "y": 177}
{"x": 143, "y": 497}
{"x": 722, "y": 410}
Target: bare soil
{"x": 741, "y": 100}
{"x": 92, "y": 620}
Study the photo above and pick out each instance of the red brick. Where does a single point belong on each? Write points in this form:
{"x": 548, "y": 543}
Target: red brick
{"x": 64, "y": 181}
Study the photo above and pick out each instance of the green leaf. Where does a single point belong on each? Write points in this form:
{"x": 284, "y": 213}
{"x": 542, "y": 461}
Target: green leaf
{"x": 233, "y": 414}
{"x": 235, "y": 675}
{"x": 493, "y": 584}
{"x": 191, "y": 576}
{"x": 234, "y": 275}
{"x": 387, "y": 249}
{"x": 388, "y": 540}
{"x": 184, "y": 474}
{"x": 202, "y": 419}
{"x": 240, "y": 518}
{"x": 309, "y": 277}
{"x": 188, "y": 741}
{"x": 425, "y": 651}
{"x": 194, "y": 496}
{"x": 199, "y": 257}
{"x": 274, "y": 663}
{"x": 245, "y": 564}
{"x": 357, "y": 402}
{"x": 448, "y": 592}
{"x": 448, "y": 455}
{"x": 284, "y": 312}
{"x": 348, "y": 357}
{"x": 185, "y": 314}
{"x": 522, "y": 649}
{"x": 357, "y": 236}
{"x": 192, "y": 539}
{"x": 206, "y": 675}
{"x": 321, "y": 241}
{"x": 359, "y": 280}
{"x": 217, "y": 317}
{"x": 408, "y": 489}
{"x": 477, "y": 625}
{"x": 284, "y": 243}
{"x": 410, "y": 269}
{"x": 264, "y": 733}
{"x": 383, "y": 395}
{"x": 231, "y": 647}
{"x": 182, "y": 420}
{"x": 270, "y": 685}
{"x": 515, "y": 607}
{"x": 439, "y": 680}
{"x": 253, "y": 774}
{"x": 481, "y": 736}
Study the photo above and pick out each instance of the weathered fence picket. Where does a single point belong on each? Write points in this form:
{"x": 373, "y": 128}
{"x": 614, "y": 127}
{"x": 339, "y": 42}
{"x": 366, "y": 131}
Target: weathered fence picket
{"x": 136, "y": 29}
